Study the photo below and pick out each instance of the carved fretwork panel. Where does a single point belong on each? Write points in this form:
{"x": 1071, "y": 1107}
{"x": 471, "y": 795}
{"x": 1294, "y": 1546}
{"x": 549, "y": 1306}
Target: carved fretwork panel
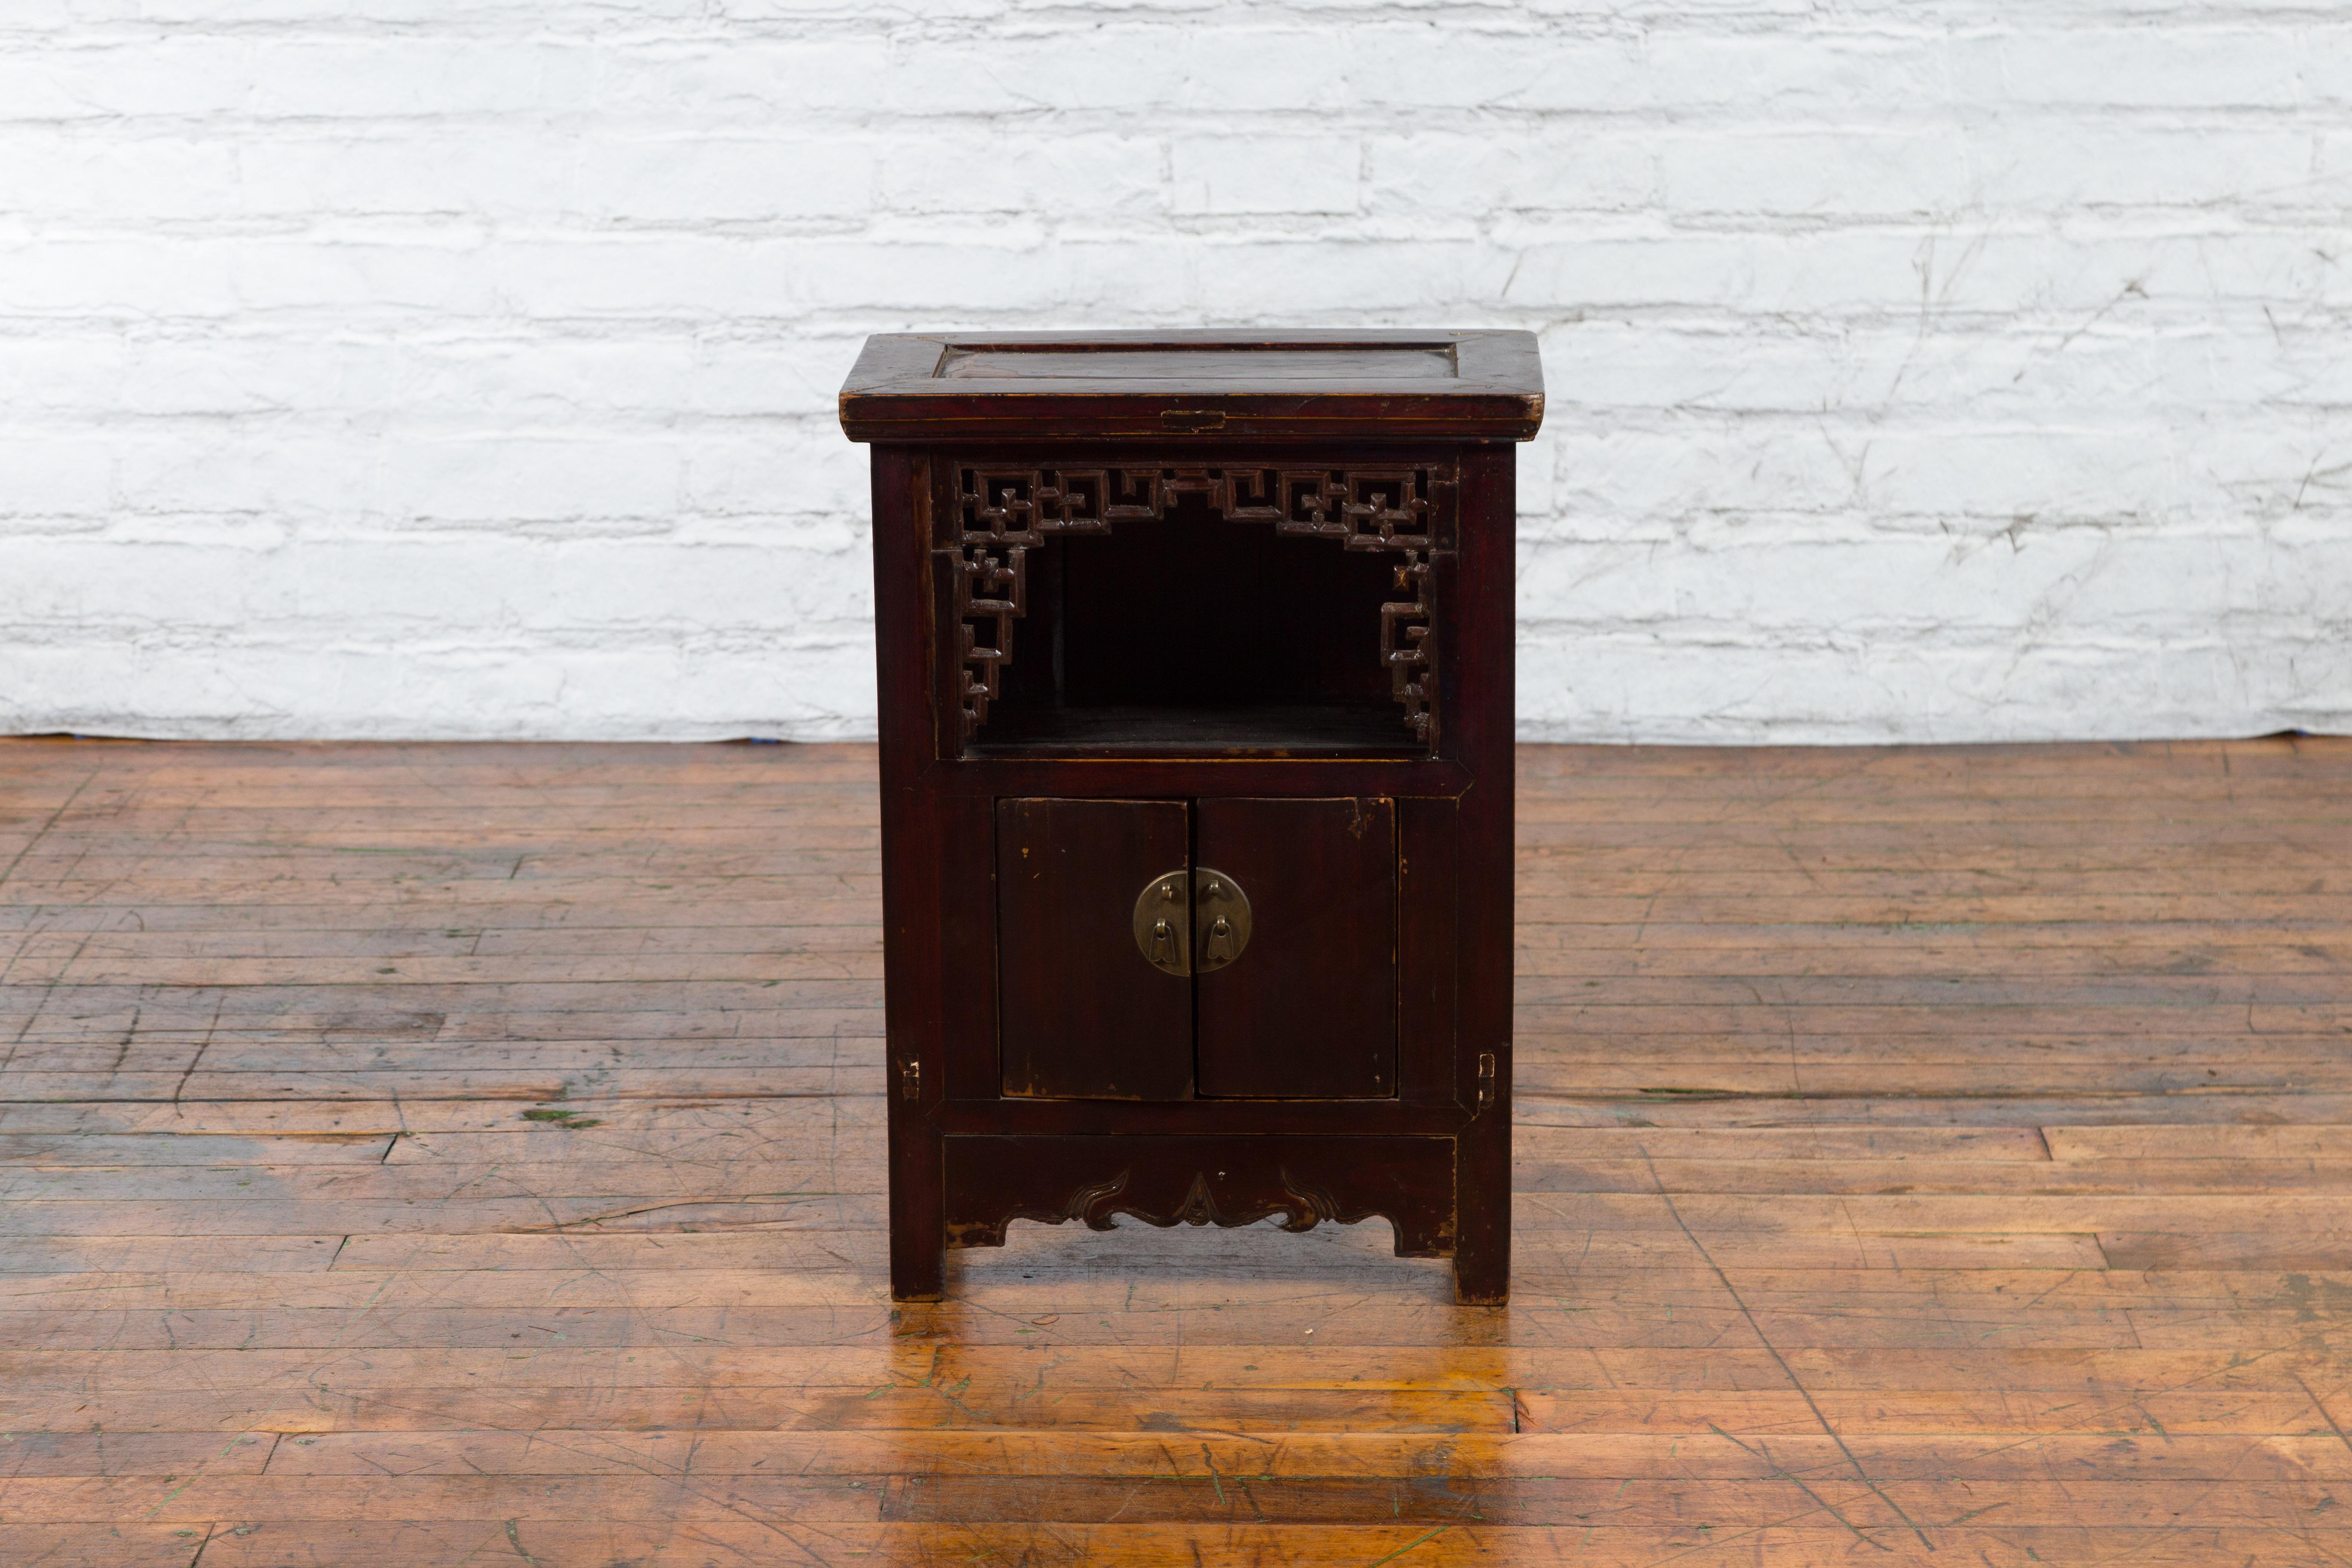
{"x": 1002, "y": 513}
{"x": 993, "y": 1181}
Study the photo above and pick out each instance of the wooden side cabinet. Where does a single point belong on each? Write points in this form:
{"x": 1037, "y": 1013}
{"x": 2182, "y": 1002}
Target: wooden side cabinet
{"x": 1195, "y": 676}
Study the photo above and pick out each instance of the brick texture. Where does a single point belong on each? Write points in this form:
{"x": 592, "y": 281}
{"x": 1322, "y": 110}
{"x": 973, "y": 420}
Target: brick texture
{"x": 1939, "y": 370}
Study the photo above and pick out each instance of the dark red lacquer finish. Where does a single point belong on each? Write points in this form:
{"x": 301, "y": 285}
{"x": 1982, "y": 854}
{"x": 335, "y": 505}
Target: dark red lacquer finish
{"x": 1195, "y": 661}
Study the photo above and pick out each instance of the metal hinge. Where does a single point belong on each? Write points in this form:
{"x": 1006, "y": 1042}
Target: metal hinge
{"x": 1485, "y": 1079}
{"x": 911, "y": 1078}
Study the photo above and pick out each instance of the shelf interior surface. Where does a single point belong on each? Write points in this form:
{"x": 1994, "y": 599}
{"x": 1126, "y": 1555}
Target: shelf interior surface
{"x": 1193, "y": 636}
{"x": 1266, "y": 729}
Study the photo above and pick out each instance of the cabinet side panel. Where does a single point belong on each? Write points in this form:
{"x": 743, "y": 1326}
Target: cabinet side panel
{"x": 1082, "y": 1013}
{"x": 910, "y": 873}
{"x": 1482, "y": 1170}
{"x": 903, "y": 617}
{"x": 969, "y": 1064}
{"x": 1426, "y": 949}
{"x": 1309, "y": 1009}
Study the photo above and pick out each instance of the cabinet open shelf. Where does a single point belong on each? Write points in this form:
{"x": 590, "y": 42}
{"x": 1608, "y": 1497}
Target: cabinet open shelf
{"x": 1192, "y": 635}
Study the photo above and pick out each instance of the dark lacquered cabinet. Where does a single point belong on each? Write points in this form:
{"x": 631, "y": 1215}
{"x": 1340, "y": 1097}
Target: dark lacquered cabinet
{"x": 1195, "y": 678}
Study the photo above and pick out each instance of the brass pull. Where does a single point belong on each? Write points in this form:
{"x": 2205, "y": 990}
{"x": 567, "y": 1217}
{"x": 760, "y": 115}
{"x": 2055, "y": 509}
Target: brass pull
{"x": 1162, "y": 924}
{"x": 1221, "y": 913}
{"x": 1220, "y": 945}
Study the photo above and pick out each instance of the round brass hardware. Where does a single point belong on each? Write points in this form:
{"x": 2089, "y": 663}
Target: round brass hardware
{"x": 1220, "y": 919}
{"x": 1184, "y": 923}
{"x": 1163, "y": 924}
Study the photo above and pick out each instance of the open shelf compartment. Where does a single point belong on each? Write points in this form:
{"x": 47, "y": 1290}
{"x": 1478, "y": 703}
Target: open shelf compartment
{"x": 1165, "y": 610}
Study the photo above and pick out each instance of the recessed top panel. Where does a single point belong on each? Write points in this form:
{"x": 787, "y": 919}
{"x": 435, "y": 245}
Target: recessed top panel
{"x": 1200, "y": 363}
{"x": 1369, "y": 385}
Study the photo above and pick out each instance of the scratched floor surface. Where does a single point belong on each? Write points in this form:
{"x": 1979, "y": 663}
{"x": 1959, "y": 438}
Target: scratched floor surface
{"x": 437, "y": 1156}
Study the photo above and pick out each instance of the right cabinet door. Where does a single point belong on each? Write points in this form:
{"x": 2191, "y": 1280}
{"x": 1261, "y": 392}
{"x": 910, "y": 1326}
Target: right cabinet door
{"x": 1309, "y": 1010}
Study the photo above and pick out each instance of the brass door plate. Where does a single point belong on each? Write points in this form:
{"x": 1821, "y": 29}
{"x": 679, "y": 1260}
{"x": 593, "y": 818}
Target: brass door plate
{"x": 1178, "y": 915}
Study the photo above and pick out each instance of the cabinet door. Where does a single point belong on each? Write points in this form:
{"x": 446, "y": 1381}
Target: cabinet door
{"x": 1082, "y": 1012}
{"x": 1309, "y": 1010}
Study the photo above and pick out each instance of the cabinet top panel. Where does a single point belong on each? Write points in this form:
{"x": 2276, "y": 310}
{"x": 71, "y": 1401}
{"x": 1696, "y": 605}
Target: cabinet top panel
{"x": 1468, "y": 386}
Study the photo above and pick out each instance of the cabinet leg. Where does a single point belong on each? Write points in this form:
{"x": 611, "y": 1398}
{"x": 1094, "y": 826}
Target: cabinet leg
{"x": 918, "y": 1245}
{"x": 1482, "y": 1271}
{"x": 917, "y": 1273}
{"x": 1482, "y": 1217}
{"x": 917, "y": 1209}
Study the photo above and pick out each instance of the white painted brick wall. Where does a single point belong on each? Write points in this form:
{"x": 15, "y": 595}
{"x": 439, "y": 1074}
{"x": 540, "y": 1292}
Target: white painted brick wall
{"x": 1919, "y": 369}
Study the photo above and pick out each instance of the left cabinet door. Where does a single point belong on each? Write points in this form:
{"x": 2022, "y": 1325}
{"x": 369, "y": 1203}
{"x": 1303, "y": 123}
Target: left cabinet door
{"x": 1082, "y": 1012}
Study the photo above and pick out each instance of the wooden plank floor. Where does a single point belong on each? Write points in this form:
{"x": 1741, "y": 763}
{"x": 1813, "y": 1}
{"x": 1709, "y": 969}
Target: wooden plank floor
{"x": 428, "y": 1155}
